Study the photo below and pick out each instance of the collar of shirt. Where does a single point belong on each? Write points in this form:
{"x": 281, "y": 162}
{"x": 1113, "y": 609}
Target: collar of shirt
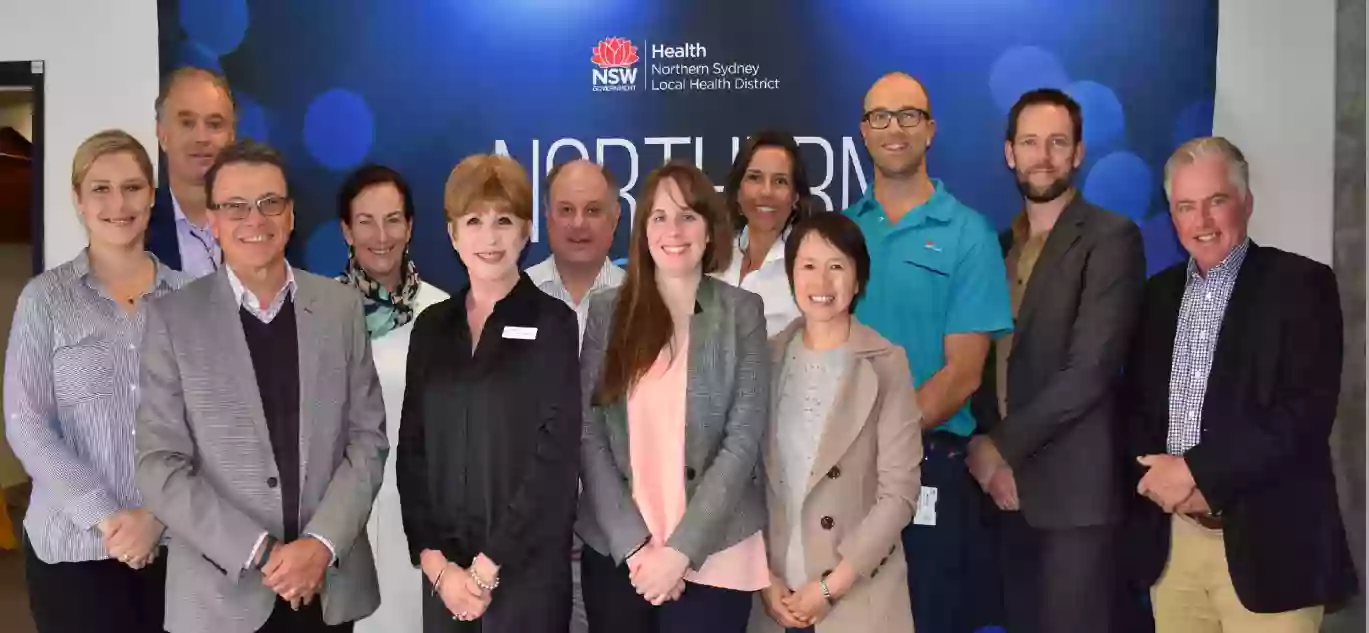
{"x": 733, "y": 273}
{"x": 245, "y": 298}
{"x": 182, "y": 219}
{"x": 1227, "y": 270}
{"x": 547, "y": 278}
{"x": 81, "y": 266}
{"x": 939, "y": 207}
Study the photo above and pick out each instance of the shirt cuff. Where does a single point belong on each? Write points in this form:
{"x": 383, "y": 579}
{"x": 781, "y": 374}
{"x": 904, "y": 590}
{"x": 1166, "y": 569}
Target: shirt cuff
{"x": 251, "y": 558}
{"x": 326, "y": 543}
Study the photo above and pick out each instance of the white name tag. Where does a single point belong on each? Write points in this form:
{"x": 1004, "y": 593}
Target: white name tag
{"x": 520, "y": 333}
{"x": 926, "y": 507}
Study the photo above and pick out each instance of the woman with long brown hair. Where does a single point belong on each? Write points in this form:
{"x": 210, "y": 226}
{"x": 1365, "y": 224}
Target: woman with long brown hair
{"x": 675, "y": 376}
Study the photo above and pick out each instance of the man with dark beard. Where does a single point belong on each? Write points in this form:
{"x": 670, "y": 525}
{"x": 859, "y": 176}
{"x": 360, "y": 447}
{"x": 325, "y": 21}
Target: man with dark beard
{"x": 1047, "y": 405}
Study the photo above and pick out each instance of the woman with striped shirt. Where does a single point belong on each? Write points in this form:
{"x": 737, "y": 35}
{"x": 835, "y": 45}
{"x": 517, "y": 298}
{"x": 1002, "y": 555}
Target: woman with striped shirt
{"x": 70, "y": 398}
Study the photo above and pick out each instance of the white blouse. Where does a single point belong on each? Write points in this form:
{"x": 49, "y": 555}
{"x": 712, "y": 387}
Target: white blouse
{"x": 401, "y": 604}
{"x": 769, "y": 281}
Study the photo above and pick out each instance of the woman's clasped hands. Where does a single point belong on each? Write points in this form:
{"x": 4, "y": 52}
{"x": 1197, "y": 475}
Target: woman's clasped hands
{"x": 657, "y": 573}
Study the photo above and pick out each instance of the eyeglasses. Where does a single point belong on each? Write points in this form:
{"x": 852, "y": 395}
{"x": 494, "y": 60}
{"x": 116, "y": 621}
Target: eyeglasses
{"x": 270, "y": 205}
{"x": 907, "y": 117}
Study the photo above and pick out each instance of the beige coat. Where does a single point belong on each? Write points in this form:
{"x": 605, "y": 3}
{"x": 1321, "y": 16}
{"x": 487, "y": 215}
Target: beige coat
{"x": 862, "y": 491}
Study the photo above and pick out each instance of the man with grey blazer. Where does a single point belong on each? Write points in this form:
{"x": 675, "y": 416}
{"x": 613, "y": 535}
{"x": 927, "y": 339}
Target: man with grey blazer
{"x": 1047, "y": 402}
{"x": 260, "y": 432}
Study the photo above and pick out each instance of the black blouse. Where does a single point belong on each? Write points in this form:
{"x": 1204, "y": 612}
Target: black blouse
{"x": 488, "y": 450}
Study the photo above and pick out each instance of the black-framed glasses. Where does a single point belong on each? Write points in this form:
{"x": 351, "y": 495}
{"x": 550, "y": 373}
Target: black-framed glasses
{"x": 907, "y": 117}
{"x": 270, "y": 205}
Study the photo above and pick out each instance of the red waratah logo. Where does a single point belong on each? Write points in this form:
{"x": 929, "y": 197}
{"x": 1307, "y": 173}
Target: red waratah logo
{"x": 615, "y": 52}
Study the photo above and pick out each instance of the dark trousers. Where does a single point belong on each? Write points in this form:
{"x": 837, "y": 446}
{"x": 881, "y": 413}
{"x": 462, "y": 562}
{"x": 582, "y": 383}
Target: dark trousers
{"x": 309, "y": 619}
{"x": 103, "y": 595}
{"x": 1057, "y": 580}
{"x": 613, "y": 605}
{"x": 952, "y": 578}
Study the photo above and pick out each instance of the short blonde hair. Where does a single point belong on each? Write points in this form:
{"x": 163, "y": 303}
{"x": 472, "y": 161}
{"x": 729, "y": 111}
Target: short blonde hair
{"x": 1238, "y": 170}
{"x": 103, "y": 144}
{"x": 488, "y": 178}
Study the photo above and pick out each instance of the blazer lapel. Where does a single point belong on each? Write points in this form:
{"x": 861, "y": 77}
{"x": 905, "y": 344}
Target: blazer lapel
{"x": 1244, "y": 298}
{"x": 224, "y": 313}
{"x": 855, "y": 399}
{"x": 1067, "y": 232}
{"x": 310, "y": 334}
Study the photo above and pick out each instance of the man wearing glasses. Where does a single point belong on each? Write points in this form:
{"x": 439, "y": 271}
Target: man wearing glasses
{"x": 938, "y": 288}
{"x": 260, "y": 432}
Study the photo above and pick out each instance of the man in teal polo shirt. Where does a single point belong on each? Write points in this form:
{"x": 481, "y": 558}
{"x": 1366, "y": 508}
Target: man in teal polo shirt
{"x": 938, "y": 288}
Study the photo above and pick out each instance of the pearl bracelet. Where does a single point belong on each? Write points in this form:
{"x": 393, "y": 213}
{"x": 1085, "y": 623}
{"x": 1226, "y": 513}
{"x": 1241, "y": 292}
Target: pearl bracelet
{"x": 480, "y": 582}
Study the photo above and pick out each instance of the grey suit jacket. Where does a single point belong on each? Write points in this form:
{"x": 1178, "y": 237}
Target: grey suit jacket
{"x": 204, "y": 451}
{"x": 727, "y": 410}
{"x": 1070, "y": 340}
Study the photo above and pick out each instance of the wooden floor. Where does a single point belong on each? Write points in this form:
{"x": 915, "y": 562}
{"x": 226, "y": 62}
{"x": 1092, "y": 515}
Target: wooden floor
{"x": 14, "y": 597}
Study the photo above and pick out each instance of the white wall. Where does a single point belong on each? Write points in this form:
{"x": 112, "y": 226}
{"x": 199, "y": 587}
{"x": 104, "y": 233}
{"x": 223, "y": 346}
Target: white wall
{"x": 1275, "y": 98}
{"x": 101, "y": 72}
{"x": 1276, "y": 70}
{"x": 16, "y": 111}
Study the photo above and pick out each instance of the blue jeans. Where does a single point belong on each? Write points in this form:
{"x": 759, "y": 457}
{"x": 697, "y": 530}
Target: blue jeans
{"x": 953, "y": 577}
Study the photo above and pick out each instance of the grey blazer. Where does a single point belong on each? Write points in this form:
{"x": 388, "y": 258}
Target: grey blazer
{"x": 727, "y": 409}
{"x": 204, "y": 452}
{"x": 1071, "y": 337}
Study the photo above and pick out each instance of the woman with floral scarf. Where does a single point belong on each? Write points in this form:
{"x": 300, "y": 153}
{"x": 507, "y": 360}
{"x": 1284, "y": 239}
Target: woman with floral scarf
{"x": 377, "y": 215}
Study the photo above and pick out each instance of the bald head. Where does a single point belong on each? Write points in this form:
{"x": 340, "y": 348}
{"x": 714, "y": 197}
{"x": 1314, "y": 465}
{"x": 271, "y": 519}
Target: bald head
{"x": 582, "y": 212}
{"x": 897, "y": 90}
{"x": 897, "y": 126}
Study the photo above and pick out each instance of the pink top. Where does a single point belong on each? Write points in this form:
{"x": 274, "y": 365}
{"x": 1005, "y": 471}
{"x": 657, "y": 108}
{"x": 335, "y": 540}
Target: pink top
{"x": 656, "y": 436}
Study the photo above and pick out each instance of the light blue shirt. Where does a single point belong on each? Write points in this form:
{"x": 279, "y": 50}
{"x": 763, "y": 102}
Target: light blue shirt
{"x": 200, "y": 254}
{"x": 939, "y": 270}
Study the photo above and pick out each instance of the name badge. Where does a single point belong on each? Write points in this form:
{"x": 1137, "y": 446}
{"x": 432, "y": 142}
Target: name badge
{"x": 520, "y": 333}
{"x": 926, "y": 507}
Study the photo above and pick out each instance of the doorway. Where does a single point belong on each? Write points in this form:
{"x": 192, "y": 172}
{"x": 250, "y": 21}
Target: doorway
{"x": 21, "y": 257}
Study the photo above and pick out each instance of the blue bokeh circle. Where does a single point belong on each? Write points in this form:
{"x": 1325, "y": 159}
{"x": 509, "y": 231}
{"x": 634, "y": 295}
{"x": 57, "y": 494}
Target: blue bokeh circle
{"x": 218, "y": 25}
{"x": 338, "y": 129}
{"x": 1104, "y": 120}
{"x": 251, "y": 118}
{"x": 1120, "y": 182}
{"x": 1194, "y": 121}
{"x": 192, "y": 53}
{"x": 326, "y": 251}
{"x": 1162, "y": 245}
{"x": 1022, "y": 69}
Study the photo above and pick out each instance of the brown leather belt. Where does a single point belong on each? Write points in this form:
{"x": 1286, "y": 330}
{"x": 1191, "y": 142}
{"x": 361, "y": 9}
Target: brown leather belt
{"x": 1207, "y": 520}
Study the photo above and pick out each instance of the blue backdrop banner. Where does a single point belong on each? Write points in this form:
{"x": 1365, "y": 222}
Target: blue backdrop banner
{"x": 418, "y": 85}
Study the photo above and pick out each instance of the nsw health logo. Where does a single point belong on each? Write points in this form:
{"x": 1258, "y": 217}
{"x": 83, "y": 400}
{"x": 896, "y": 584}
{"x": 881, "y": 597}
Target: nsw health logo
{"x": 616, "y": 59}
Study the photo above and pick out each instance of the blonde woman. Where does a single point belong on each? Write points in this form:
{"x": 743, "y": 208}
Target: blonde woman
{"x": 71, "y": 372}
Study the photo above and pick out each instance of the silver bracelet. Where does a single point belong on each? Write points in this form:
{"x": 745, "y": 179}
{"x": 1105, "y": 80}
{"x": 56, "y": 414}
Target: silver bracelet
{"x": 437, "y": 582}
{"x": 826, "y": 593}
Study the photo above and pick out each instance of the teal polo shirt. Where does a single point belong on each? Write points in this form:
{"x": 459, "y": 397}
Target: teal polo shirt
{"x": 939, "y": 270}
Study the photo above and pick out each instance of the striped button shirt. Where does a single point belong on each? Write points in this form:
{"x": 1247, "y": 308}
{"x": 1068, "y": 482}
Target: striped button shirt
{"x": 1195, "y": 340}
{"x": 70, "y": 397}
{"x": 548, "y": 279}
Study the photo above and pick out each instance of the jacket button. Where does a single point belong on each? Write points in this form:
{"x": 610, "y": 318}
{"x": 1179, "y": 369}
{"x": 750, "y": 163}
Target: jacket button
{"x": 874, "y": 572}
{"x": 827, "y": 523}
{"x": 271, "y": 482}
{"x": 834, "y": 473}
{"x": 891, "y": 549}
{"x": 884, "y": 560}
{"x": 689, "y": 473}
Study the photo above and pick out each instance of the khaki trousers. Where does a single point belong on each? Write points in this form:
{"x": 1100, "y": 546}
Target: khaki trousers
{"x": 1195, "y": 595}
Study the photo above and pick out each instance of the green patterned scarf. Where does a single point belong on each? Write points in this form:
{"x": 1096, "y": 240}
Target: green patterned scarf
{"x": 384, "y": 311}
